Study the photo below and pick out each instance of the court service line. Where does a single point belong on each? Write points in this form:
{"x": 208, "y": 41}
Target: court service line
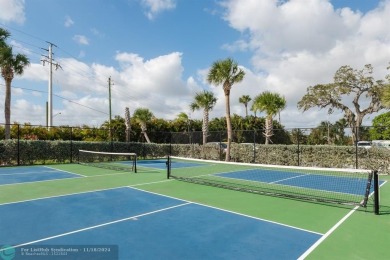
{"x": 31, "y": 182}
{"x": 100, "y": 225}
{"x": 229, "y": 211}
{"x": 25, "y": 173}
{"x": 62, "y": 195}
{"x": 60, "y": 179}
{"x": 327, "y": 234}
{"x": 64, "y": 171}
{"x": 289, "y": 178}
{"x": 148, "y": 183}
{"x": 75, "y": 193}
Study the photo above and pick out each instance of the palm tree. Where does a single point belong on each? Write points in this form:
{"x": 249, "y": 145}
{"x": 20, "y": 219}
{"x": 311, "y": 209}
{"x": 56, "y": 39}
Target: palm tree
{"x": 4, "y": 34}
{"x": 182, "y": 116}
{"x": 245, "y": 99}
{"x": 181, "y": 123}
{"x": 142, "y": 116}
{"x": 206, "y": 101}
{"x": 271, "y": 104}
{"x": 227, "y": 73}
{"x": 10, "y": 65}
{"x": 254, "y": 109}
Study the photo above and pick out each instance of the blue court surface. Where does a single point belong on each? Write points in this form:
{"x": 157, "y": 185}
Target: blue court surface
{"x": 355, "y": 186}
{"x": 148, "y": 226}
{"x": 32, "y": 174}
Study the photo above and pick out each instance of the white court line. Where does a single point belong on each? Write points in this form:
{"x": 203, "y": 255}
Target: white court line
{"x": 229, "y": 211}
{"x": 64, "y": 171}
{"x": 289, "y": 178}
{"x": 82, "y": 192}
{"x": 25, "y": 173}
{"x": 97, "y": 226}
{"x": 330, "y": 231}
{"x": 63, "y": 195}
{"x": 29, "y": 182}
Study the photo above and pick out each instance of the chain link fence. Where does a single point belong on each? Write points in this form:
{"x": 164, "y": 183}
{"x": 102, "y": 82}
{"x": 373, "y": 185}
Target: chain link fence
{"x": 312, "y": 147}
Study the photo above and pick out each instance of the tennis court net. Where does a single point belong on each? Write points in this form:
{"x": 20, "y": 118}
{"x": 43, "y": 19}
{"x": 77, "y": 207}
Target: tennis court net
{"x": 108, "y": 160}
{"x": 325, "y": 185}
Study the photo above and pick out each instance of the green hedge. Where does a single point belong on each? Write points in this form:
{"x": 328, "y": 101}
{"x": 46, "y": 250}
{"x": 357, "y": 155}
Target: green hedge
{"x": 28, "y": 152}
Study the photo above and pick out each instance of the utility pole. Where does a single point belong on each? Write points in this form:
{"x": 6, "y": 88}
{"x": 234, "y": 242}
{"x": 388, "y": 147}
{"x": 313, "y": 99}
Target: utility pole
{"x": 49, "y": 106}
{"x": 109, "y": 99}
{"x": 109, "y": 104}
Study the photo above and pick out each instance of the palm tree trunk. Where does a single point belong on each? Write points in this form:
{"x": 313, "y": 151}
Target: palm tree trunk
{"x": 7, "y": 109}
{"x": 229, "y": 126}
{"x": 268, "y": 129}
{"x": 205, "y": 125}
{"x": 143, "y": 130}
{"x": 127, "y": 123}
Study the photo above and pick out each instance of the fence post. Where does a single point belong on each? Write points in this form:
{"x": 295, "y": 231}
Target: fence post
{"x": 170, "y": 143}
{"x": 71, "y": 145}
{"x": 18, "y": 144}
{"x": 254, "y": 146}
{"x": 356, "y": 154}
{"x": 298, "y": 137}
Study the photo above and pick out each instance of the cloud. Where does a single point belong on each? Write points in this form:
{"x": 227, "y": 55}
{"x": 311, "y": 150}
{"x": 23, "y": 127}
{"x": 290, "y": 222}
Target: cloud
{"x": 21, "y": 49}
{"x": 81, "y": 89}
{"x": 97, "y": 32}
{"x": 81, "y": 39}
{"x": 12, "y": 11}
{"x": 293, "y": 45}
{"x": 68, "y": 21}
{"x": 157, "y": 6}
{"x": 297, "y": 43}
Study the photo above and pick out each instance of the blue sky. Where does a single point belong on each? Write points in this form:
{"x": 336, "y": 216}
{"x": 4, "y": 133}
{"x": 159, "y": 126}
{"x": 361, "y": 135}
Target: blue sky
{"x": 157, "y": 53}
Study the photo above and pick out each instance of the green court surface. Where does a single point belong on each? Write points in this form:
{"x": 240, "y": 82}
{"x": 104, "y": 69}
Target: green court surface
{"x": 348, "y": 234}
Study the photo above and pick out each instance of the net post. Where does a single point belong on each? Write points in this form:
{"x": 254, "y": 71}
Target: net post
{"x": 168, "y": 167}
{"x": 135, "y": 163}
{"x": 376, "y": 193}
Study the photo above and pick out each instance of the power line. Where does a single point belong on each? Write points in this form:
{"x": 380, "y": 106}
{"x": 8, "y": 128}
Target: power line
{"x": 80, "y": 71}
{"x": 58, "y": 96}
{"x": 30, "y": 35}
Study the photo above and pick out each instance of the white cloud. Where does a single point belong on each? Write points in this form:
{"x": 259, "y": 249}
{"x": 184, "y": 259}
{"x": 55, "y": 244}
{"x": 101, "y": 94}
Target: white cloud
{"x": 12, "y": 11}
{"x": 68, "y": 21}
{"x": 81, "y": 54}
{"x": 97, "y": 32}
{"x": 300, "y": 43}
{"x": 81, "y": 39}
{"x": 20, "y": 48}
{"x": 156, "y": 84}
{"x": 157, "y": 6}
{"x": 294, "y": 44}
{"x": 24, "y": 111}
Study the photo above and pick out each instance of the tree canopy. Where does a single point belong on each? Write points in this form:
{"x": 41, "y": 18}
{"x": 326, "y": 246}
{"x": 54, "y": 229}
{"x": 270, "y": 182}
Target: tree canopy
{"x": 10, "y": 65}
{"x": 271, "y": 104}
{"x": 227, "y": 73}
{"x": 204, "y": 100}
{"x": 381, "y": 127}
{"x": 350, "y": 85}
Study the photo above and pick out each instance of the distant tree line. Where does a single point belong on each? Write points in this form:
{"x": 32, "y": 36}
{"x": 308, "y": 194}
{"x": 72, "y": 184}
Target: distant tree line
{"x": 158, "y": 130}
